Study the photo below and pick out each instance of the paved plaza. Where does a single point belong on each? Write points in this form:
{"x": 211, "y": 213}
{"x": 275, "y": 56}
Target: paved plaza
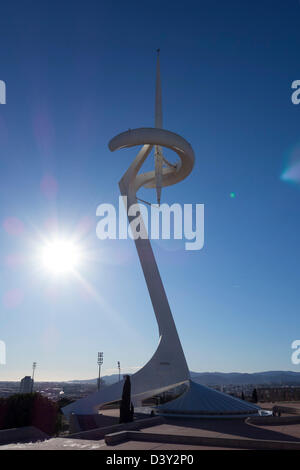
{"x": 209, "y": 428}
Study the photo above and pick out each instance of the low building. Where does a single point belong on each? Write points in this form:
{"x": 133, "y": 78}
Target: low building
{"x": 26, "y": 385}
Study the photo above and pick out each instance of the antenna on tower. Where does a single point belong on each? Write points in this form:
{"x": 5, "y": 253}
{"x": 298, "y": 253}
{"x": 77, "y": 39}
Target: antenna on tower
{"x": 158, "y": 95}
{"x": 158, "y": 156}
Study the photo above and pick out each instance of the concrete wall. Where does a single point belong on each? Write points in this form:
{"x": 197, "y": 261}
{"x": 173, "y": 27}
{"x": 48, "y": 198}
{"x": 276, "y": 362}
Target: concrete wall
{"x": 253, "y": 444}
{"x": 24, "y": 434}
{"x": 261, "y": 420}
{"x": 99, "y": 433}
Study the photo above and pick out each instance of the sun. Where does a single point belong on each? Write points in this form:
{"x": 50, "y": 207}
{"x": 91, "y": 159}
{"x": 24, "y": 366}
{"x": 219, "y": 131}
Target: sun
{"x": 60, "y": 256}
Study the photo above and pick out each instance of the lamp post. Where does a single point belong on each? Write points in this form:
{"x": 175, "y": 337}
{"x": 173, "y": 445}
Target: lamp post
{"x": 119, "y": 368}
{"x": 99, "y": 362}
{"x": 32, "y": 379}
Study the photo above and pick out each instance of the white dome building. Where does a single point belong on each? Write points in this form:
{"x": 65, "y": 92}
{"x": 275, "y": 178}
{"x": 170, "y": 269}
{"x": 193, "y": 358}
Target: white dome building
{"x": 200, "y": 401}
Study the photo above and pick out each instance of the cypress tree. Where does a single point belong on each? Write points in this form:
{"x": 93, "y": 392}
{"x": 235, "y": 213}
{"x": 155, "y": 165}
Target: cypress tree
{"x": 126, "y": 415}
{"x": 254, "y": 396}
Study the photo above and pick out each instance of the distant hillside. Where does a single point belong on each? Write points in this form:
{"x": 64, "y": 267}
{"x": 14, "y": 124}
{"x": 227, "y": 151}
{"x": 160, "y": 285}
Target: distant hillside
{"x": 108, "y": 379}
{"x": 256, "y": 378}
{"x": 222, "y": 378}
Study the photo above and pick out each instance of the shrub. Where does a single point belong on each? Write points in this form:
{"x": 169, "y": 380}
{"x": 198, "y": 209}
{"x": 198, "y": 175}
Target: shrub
{"x": 29, "y": 409}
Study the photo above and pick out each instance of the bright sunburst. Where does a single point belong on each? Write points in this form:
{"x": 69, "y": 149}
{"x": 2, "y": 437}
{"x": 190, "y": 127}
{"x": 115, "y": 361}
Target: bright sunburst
{"x": 60, "y": 256}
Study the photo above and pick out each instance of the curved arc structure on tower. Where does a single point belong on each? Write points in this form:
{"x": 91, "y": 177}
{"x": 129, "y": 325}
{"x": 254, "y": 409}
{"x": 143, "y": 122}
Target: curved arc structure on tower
{"x": 150, "y": 136}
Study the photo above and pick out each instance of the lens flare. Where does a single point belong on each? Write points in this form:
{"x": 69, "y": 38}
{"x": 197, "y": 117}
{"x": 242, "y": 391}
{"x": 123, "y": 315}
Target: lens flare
{"x": 60, "y": 256}
{"x": 291, "y": 172}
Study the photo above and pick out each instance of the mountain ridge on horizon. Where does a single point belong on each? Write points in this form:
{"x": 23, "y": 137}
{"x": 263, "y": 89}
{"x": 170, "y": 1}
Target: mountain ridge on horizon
{"x": 224, "y": 378}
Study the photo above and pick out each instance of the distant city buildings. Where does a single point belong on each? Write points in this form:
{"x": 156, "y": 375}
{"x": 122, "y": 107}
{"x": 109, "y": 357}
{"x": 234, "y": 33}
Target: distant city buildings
{"x": 26, "y": 385}
{"x": 75, "y": 390}
{"x": 283, "y": 393}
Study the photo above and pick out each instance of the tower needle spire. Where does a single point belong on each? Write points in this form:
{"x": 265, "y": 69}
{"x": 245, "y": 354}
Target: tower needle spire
{"x": 158, "y": 100}
{"x": 158, "y": 157}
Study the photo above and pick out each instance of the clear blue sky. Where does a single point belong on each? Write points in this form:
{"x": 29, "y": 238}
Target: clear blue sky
{"x": 78, "y": 73}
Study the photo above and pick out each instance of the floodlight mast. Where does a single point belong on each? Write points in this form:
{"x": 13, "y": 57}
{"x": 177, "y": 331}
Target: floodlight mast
{"x": 119, "y": 369}
{"x": 32, "y": 378}
{"x": 99, "y": 362}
